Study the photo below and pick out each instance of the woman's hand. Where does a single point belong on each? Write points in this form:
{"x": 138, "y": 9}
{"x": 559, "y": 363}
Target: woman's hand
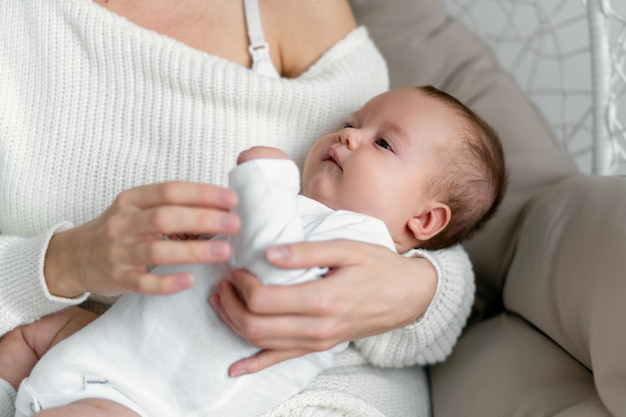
{"x": 369, "y": 290}
{"x": 110, "y": 255}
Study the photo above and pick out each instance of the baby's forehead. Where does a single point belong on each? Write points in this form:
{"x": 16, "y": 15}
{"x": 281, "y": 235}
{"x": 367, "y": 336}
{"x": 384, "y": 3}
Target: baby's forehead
{"x": 416, "y": 112}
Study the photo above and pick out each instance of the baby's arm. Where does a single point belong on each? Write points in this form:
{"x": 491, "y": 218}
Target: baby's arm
{"x": 267, "y": 184}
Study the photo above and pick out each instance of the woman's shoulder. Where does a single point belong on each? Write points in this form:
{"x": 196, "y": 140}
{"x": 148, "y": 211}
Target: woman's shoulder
{"x": 304, "y": 30}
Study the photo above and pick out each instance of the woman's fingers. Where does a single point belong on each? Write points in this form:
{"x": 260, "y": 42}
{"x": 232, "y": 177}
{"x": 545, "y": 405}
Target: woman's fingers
{"x": 281, "y": 331}
{"x": 263, "y": 359}
{"x": 325, "y": 297}
{"x": 174, "y": 219}
{"x": 151, "y": 284}
{"x": 178, "y": 193}
{"x": 311, "y": 254}
{"x": 316, "y": 297}
{"x": 174, "y": 252}
{"x": 274, "y": 299}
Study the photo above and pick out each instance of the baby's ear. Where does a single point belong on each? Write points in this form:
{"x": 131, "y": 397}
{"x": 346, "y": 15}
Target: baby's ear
{"x": 430, "y": 222}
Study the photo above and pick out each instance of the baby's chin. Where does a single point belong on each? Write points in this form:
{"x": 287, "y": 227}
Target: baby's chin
{"x": 319, "y": 190}
{"x": 320, "y": 199}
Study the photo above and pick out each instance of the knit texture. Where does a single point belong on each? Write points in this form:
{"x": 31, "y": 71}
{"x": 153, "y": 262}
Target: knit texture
{"x": 7, "y": 399}
{"x": 355, "y": 388}
{"x": 93, "y": 104}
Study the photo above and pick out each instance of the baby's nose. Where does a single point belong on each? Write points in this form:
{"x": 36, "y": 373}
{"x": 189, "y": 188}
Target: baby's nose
{"x": 350, "y": 137}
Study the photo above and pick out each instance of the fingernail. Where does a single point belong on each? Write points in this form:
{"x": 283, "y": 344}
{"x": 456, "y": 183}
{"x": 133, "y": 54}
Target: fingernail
{"x": 227, "y": 197}
{"x": 184, "y": 281}
{"x": 217, "y": 249}
{"x": 277, "y": 253}
{"x": 229, "y": 221}
{"x": 214, "y": 301}
{"x": 238, "y": 372}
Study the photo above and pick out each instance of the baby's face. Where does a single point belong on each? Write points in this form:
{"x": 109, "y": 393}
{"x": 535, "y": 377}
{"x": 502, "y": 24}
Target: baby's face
{"x": 381, "y": 161}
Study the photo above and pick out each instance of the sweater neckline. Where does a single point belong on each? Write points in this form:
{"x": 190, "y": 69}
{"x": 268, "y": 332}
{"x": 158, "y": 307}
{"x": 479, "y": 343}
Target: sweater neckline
{"x": 152, "y": 37}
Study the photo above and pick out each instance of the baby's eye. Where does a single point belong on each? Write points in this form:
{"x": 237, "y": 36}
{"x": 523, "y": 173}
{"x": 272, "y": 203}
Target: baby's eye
{"x": 383, "y": 144}
{"x": 348, "y": 125}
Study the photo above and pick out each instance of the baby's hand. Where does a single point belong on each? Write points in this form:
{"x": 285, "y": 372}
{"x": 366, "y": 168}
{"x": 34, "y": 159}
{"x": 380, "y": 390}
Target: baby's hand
{"x": 260, "y": 152}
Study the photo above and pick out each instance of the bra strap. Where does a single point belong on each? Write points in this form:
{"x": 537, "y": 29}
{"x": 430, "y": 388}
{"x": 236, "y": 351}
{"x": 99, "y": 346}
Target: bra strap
{"x": 259, "y": 49}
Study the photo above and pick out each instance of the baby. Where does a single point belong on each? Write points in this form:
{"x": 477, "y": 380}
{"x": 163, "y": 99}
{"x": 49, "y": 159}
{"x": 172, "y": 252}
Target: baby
{"x": 413, "y": 168}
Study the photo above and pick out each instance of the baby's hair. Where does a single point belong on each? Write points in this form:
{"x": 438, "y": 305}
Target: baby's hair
{"x": 474, "y": 178}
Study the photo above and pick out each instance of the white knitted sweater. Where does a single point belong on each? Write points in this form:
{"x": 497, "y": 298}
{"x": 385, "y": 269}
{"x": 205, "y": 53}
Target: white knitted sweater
{"x": 91, "y": 104}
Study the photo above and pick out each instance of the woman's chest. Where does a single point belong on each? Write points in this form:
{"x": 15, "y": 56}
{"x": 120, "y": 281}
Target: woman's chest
{"x": 213, "y": 26}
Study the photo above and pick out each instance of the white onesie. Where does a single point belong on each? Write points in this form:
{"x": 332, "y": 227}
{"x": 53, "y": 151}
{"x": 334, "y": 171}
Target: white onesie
{"x": 165, "y": 356}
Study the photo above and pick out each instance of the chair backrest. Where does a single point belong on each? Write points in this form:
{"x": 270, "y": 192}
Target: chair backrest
{"x": 569, "y": 57}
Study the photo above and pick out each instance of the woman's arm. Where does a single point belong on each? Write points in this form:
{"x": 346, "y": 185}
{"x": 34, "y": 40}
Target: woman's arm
{"x": 432, "y": 336}
{"x": 24, "y": 296}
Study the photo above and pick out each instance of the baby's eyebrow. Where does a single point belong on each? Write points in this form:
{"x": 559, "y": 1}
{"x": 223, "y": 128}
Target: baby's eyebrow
{"x": 398, "y": 130}
{"x": 400, "y": 135}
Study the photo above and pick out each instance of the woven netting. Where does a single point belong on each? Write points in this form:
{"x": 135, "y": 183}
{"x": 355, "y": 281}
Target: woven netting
{"x": 569, "y": 56}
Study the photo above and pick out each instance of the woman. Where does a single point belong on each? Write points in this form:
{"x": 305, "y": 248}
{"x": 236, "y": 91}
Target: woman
{"x": 108, "y": 107}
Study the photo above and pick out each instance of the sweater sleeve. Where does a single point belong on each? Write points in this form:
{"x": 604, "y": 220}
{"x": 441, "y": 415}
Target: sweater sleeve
{"x": 430, "y": 338}
{"x": 24, "y": 296}
{"x": 7, "y": 399}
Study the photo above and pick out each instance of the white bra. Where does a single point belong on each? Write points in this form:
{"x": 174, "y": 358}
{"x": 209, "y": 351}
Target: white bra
{"x": 259, "y": 49}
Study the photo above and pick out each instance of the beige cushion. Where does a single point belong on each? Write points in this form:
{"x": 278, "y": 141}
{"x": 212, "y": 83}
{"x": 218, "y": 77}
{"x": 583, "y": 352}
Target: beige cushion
{"x": 568, "y": 280}
{"x": 504, "y": 368}
{"x": 568, "y": 277}
{"x": 422, "y": 46}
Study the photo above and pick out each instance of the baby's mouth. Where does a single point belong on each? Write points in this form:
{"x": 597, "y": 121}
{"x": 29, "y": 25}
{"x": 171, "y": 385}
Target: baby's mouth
{"x": 331, "y": 155}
